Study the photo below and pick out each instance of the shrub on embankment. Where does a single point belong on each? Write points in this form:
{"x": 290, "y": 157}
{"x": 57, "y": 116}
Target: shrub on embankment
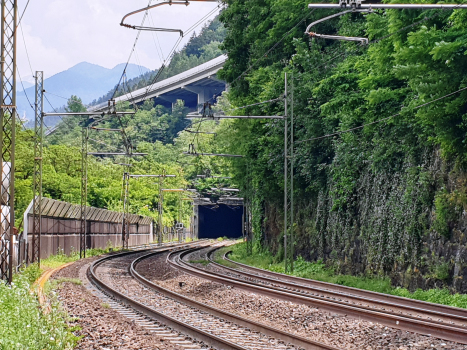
{"x": 319, "y": 271}
{"x": 24, "y": 325}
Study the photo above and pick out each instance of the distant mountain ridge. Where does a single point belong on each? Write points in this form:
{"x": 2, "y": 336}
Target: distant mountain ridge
{"x": 85, "y": 80}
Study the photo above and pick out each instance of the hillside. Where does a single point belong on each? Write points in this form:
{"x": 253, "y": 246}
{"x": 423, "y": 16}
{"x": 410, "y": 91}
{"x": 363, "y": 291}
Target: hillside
{"x": 85, "y": 80}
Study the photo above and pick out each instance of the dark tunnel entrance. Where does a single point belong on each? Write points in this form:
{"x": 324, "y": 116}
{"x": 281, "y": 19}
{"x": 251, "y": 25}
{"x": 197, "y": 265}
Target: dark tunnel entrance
{"x": 220, "y": 220}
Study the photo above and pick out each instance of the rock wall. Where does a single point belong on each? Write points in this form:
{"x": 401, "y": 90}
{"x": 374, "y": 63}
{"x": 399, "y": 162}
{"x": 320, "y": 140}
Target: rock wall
{"x": 408, "y": 224}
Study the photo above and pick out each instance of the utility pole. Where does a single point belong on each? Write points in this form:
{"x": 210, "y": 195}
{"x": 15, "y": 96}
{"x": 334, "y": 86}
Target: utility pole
{"x": 178, "y": 227}
{"x": 160, "y": 199}
{"x": 160, "y": 224}
{"x": 247, "y": 213}
{"x": 100, "y": 116}
{"x": 288, "y": 179}
{"x": 84, "y": 191}
{"x": 126, "y": 209}
{"x": 37, "y": 178}
{"x": 7, "y": 135}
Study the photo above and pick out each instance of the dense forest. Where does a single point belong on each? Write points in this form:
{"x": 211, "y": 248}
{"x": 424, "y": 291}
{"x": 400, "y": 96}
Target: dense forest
{"x": 156, "y": 131}
{"x": 199, "y": 49}
{"x": 386, "y": 198}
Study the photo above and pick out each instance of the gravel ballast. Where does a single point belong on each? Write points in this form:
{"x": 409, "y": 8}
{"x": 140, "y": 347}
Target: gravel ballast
{"x": 101, "y": 327}
{"x": 332, "y": 329}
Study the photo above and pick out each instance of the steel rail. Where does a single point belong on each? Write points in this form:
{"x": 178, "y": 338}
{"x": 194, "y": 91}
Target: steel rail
{"x": 441, "y": 331}
{"x": 362, "y": 299}
{"x": 245, "y": 322}
{"x": 189, "y": 330}
{"x": 365, "y": 294}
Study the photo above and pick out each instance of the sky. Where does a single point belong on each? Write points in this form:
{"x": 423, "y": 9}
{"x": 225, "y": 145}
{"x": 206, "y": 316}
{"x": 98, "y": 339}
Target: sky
{"x": 59, "y": 34}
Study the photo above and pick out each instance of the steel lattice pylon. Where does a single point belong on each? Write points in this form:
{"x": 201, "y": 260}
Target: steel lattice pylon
{"x": 247, "y": 214}
{"x": 126, "y": 209}
{"x": 84, "y": 191}
{"x": 288, "y": 177}
{"x": 7, "y": 135}
{"x": 37, "y": 179}
{"x": 160, "y": 209}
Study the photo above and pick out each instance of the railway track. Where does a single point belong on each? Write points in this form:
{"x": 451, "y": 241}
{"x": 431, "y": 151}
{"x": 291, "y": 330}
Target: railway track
{"x": 419, "y": 317}
{"x": 192, "y": 325}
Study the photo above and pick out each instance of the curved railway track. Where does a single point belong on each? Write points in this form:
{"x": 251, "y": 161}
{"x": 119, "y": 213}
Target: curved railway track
{"x": 199, "y": 325}
{"x": 439, "y": 321}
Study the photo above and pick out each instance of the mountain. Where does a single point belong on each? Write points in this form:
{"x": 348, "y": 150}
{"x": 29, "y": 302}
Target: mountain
{"x": 85, "y": 80}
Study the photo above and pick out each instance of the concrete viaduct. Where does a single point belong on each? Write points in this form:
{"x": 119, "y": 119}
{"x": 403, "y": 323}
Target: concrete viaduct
{"x": 194, "y": 86}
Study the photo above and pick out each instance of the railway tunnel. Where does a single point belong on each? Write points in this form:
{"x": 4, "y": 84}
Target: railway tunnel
{"x": 214, "y": 220}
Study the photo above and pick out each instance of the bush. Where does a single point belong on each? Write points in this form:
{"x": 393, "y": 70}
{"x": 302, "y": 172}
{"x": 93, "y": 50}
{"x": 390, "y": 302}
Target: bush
{"x": 23, "y": 325}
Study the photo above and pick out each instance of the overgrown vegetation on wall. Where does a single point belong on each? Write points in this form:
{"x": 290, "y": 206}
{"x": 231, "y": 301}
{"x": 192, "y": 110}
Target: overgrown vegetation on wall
{"x": 387, "y": 198}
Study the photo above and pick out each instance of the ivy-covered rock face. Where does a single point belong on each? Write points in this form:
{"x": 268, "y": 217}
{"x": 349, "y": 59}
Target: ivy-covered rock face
{"x": 387, "y": 198}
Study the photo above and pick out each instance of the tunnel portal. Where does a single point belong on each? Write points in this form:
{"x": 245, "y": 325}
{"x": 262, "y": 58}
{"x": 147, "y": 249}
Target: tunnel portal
{"x": 220, "y": 220}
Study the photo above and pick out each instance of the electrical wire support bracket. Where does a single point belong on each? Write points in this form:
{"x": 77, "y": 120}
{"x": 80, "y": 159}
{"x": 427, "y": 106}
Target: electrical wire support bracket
{"x": 363, "y": 41}
{"x": 192, "y": 152}
{"x": 358, "y": 7}
{"x": 358, "y": 4}
{"x": 153, "y": 29}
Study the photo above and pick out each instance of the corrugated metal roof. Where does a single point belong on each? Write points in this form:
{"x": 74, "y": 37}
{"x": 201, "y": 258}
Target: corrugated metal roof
{"x": 58, "y": 209}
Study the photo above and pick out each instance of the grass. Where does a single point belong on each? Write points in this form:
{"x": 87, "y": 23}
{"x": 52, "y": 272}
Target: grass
{"x": 23, "y": 325}
{"x": 60, "y": 258}
{"x": 320, "y": 272}
{"x": 200, "y": 261}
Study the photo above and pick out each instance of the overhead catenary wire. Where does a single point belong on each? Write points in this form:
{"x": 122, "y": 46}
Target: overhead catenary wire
{"x": 380, "y": 120}
{"x": 50, "y": 93}
{"x": 273, "y": 47}
{"x": 22, "y": 14}
{"x": 45, "y": 96}
{"x": 131, "y": 53}
{"x": 26, "y": 48}
{"x": 260, "y": 103}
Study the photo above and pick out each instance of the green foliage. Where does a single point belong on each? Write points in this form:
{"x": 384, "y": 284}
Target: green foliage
{"x": 31, "y": 273}
{"x": 157, "y": 131}
{"x": 446, "y": 212}
{"x": 319, "y": 271}
{"x": 60, "y": 258}
{"x": 365, "y": 196}
{"x": 23, "y": 325}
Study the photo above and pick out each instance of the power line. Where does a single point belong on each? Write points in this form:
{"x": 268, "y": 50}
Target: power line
{"x": 380, "y": 120}
{"x": 273, "y": 47}
{"x": 50, "y": 93}
{"x": 24, "y": 90}
{"x": 260, "y": 103}
{"x": 131, "y": 52}
{"x": 52, "y": 108}
{"x": 21, "y": 17}
{"x": 26, "y": 48}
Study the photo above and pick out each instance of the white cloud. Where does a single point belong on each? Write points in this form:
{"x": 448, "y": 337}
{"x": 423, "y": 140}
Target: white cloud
{"x": 60, "y": 34}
